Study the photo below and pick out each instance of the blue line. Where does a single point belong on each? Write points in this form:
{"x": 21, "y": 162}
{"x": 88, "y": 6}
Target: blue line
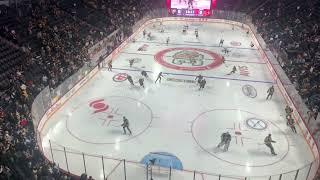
{"x": 201, "y": 45}
{"x": 210, "y": 77}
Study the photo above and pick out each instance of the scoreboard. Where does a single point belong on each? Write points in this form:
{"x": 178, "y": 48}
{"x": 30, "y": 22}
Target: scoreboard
{"x": 190, "y": 7}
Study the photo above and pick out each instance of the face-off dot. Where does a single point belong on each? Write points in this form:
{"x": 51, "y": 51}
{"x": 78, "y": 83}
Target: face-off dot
{"x": 99, "y": 105}
{"x": 110, "y": 116}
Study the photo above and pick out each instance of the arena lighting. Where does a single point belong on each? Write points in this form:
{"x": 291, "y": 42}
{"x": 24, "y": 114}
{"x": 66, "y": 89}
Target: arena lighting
{"x": 198, "y": 8}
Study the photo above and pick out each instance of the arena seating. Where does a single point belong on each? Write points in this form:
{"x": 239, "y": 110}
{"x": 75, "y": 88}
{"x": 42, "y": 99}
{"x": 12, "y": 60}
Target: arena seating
{"x": 292, "y": 27}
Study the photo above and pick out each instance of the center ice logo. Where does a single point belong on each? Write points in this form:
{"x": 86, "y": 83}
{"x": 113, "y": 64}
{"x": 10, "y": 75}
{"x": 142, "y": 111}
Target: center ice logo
{"x": 188, "y": 57}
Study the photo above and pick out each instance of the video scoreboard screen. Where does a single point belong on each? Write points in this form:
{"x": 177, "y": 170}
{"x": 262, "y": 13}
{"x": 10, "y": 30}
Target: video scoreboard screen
{"x": 190, "y": 7}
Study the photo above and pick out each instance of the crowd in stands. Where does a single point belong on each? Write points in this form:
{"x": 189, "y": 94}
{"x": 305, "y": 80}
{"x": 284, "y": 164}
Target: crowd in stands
{"x": 292, "y": 28}
{"x": 43, "y": 44}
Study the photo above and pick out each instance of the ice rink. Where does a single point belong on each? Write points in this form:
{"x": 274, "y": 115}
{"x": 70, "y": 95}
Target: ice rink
{"x": 174, "y": 116}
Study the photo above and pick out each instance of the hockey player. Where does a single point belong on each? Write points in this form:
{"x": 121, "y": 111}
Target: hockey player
{"x": 131, "y": 61}
{"x": 149, "y": 36}
{"x": 234, "y": 69}
{"x": 268, "y": 142}
{"x": 130, "y": 79}
{"x": 141, "y": 82}
{"x": 184, "y": 30}
{"x": 288, "y": 111}
{"x": 144, "y": 33}
{"x": 144, "y": 74}
{"x": 196, "y": 33}
{"x": 270, "y": 92}
{"x": 199, "y": 78}
{"x": 167, "y": 41}
{"x": 159, "y": 77}
{"x": 251, "y": 45}
{"x": 226, "y": 51}
{"x": 225, "y": 141}
{"x": 110, "y": 65}
{"x": 202, "y": 84}
{"x": 291, "y": 124}
{"x": 125, "y": 125}
{"x": 221, "y": 42}
{"x": 100, "y": 62}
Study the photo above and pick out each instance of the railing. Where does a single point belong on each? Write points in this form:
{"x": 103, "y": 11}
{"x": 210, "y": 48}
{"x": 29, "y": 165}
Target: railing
{"x": 103, "y": 167}
{"x": 50, "y": 100}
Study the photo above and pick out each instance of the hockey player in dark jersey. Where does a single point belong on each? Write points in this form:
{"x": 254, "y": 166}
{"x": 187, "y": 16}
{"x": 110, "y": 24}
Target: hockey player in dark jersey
{"x": 110, "y": 65}
{"x": 223, "y": 60}
{"x": 159, "y": 77}
{"x": 149, "y": 36}
{"x": 144, "y": 33}
{"x": 144, "y": 74}
{"x": 268, "y": 142}
{"x": 130, "y": 79}
{"x": 167, "y": 41}
{"x": 131, "y": 61}
{"x": 125, "y": 125}
{"x": 270, "y": 92}
{"x": 141, "y": 82}
{"x": 202, "y": 84}
{"x": 221, "y": 42}
{"x": 196, "y": 33}
{"x": 225, "y": 141}
{"x": 234, "y": 70}
{"x": 199, "y": 78}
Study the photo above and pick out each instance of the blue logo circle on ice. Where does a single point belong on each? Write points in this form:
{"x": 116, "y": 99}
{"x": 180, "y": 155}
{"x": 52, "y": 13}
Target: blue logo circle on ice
{"x": 100, "y": 121}
{"x": 162, "y": 159}
{"x": 249, "y": 91}
{"x": 256, "y": 123}
{"x": 246, "y": 147}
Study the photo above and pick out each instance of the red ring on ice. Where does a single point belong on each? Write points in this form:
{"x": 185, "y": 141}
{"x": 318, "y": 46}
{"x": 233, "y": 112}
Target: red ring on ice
{"x": 217, "y": 60}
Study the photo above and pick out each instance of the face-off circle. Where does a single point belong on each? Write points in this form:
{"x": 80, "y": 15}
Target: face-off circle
{"x": 246, "y": 143}
{"x": 188, "y": 59}
{"x": 99, "y": 121}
